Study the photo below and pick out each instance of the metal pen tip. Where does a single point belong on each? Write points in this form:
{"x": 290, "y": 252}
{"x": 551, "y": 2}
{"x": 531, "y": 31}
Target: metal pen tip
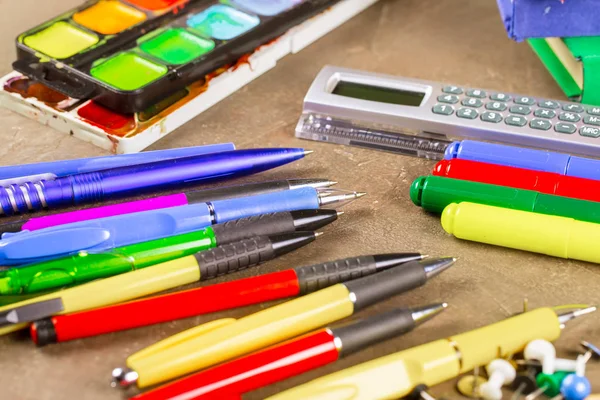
{"x": 316, "y": 183}
{"x": 436, "y": 266}
{"x": 340, "y": 213}
{"x": 423, "y": 256}
{"x": 571, "y": 315}
{"x": 334, "y": 196}
{"x": 307, "y": 152}
{"x": 317, "y": 234}
{"x": 423, "y": 314}
{"x": 123, "y": 377}
{"x": 360, "y": 194}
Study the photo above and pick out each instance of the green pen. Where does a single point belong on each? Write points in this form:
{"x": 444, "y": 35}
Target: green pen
{"x": 84, "y": 267}
{"x": 434, "y": 193}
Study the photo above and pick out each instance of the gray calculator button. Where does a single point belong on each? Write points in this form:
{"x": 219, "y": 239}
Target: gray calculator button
{"x": 523, "y": 110}
{"x": 448, "y": 98}
{"x": 443, "y": 109}
{"x": 593, "y": 110}
{"x": 541, "y": 124}
{"x": 472, "y": 102}
{"x": 592, "y": 120}
{"x": 526, "y": 101}
{"x": 490, "y": 116}
{"x": 589, "y": 131}
{"x": 468, "y": 113}
{"x": 544, "y": 113}
{"x": 496, "y": 106}
{"x": 564, "y": 127}
{"x": 500, "y": 97}
{"x": 452, "y": 90}
{"x": 476, "y": 93}
{"x": 515, "y": 120}
{"x": 576, "y": 108}
{"x": 569, "y": 116}
{"x": 549, "y": 104}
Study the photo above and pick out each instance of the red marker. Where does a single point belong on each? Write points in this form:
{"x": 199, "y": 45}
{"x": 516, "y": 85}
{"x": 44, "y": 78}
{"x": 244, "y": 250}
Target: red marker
{"x": 544, "y": 182}
{"x": 293, "y": 357}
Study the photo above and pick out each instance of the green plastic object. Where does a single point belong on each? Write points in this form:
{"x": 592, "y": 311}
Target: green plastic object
{"x": 587, "y": 49}
{"x": 552, "y": 382}
{"x": 85, "y": 267}
{"x": 434, "y": 193}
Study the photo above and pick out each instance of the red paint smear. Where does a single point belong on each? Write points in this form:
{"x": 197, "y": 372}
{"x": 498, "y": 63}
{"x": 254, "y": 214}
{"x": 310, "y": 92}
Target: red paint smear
{"x": 155, "y": 5}
{"x": 28, "y": 88}
{"x": 108, "y": 120}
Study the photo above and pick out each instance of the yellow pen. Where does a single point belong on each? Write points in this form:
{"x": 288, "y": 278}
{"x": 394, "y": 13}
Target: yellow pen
{"x": 539, "y": 233}
{"x": 222, "y": 340}
{"x": 396, "y": 375}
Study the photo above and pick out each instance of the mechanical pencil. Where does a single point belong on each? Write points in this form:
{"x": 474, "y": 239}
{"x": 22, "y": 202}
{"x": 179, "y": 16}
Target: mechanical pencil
{"x": 55, "y": 169}
{"x": 182, "y": 271}
{"x": 92, "y": 187}
{"x": 538, "y": 233}
{"x": 173, "y": 200}
{"x": 104, "y": 234}
{"x": 222, "y": 340}
{"x": 293, "y": 357}
{"x": 224, "y": 296}
{"x": 396, "y": 375}
{"x": 30, "y": 312}
{"x": 83, "y": 266}
{"x": 540, "y": 160}
{"x": 434, "y": 193}
{"x": 544, "y": 182}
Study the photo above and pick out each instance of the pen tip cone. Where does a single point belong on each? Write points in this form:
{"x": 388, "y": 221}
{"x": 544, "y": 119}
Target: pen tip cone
{"x": 307, "y": 152}
{"x": 332, "y": 183}
{"x": 423, "y": 314}
{"x": 340, "y": 213}
{"x": 424, "y": 256}
{"x": 436, "y": 266}
{"x": 317, "y": 234}
{"x": 360, "y": 194}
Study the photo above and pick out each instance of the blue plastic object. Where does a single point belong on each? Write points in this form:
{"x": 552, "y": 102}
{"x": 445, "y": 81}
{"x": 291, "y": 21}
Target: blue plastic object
{"x": 132, "y": 180}
{"x": 539, "y": 160}
{"x": 56, "y": 169}
{"x": 104, "y": 234}
{"x": 575, "y": 387}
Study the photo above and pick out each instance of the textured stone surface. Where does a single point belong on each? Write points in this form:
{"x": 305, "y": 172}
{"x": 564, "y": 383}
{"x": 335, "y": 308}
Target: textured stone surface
{"x": 458, "y": 42}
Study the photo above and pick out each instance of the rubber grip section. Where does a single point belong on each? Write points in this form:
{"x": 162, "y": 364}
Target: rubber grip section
{"x": 259, "y": 225}
{"x": 316, "y": 277}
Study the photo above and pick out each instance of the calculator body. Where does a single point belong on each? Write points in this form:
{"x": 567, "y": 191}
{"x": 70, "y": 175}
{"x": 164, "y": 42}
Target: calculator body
{"x": 435, "y": 110}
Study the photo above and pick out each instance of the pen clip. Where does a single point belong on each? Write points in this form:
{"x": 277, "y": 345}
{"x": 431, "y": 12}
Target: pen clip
{"x": 38, "y": 244}
{"x": 18, "y": 180}
{"x": 180, "y": 338}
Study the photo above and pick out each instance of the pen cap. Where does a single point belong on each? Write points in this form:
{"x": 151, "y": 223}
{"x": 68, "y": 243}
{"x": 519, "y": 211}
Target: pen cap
{"x": 588, "y": 168}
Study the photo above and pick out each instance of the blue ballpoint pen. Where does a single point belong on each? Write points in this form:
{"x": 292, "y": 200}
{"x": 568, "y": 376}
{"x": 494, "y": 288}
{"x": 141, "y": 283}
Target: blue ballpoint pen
{"x": 538, "y": 160}
{"x": 56, "y": 169}
{"x": 107, "y": 184}
{"x": 104, "y": 234}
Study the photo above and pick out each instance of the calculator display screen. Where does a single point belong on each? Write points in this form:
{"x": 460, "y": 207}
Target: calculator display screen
{"x": 378, "y": 93}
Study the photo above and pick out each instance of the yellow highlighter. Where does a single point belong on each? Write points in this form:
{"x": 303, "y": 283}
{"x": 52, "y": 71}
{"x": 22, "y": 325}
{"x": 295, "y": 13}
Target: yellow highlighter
{"x": 539, "y": 233}
{"x": 396, "y": 375}
{"x": 205, "y": 346}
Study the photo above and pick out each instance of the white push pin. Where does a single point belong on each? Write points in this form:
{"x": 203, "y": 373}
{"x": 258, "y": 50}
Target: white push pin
{"x": 500, "y": 373}
{"x": 544, "y": 352}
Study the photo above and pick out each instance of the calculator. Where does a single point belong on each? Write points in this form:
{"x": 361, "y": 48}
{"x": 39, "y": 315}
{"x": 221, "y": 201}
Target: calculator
{"x": 366, "y": 109}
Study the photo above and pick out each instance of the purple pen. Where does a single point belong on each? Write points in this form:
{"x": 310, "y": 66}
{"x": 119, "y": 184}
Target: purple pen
{"x": 108, "y": 184}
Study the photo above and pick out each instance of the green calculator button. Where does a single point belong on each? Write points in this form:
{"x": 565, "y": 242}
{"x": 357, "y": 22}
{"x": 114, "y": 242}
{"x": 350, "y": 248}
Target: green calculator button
{"x": 541, "y": 124}
{"x": 551, "y": 104}
{"x": 490, "y": 116}
{"x": 467, "y": 113}
{"x": 523, "y": 110}
{"x": 500, "y": 97}
{"x": 593, "y": 110}
{"x": 576, "y": 108}
{"x": 565, "y": 127}
{"x": 569, "y": 117}
{"x": 448, "y": 98}
{"x": 472, "y": 102}
{"x": 516, "y": 120}
{"x": 592, "y": 120}
{"x": 526, "y": 101}
{"x": 589, "y": 131}
{"x": 452, "y": 90}
{"x": 544, "y": 113}
{"x": 496, "y": 106}
{"x": 443, "y": 109}
{"x": 476, "y": 93}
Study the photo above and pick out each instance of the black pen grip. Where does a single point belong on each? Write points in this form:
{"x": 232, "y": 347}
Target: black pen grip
{"x": 316, "y": 277}
{"x": 259, "y": 225}
{"x": 234, "y": 257}
{"x": 232, "y": 192}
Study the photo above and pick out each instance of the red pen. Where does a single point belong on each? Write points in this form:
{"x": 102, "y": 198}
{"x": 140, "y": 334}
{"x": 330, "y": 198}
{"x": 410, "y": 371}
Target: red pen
{"x": 207, "y": 299}
{"x": 292, "y": 357}
{"x": 520, "y": 178}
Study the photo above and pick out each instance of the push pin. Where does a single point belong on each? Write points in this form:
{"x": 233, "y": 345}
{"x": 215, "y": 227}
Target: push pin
{"x": 544, "y": 352}
{"x": 469, "y": 385}
{"x": 500, "y": 373}
{"x": 525, "y": 382}
{"x": 591, "y": 349}
{"x": 574, "y": 387}
{"x": 420, "y": 393}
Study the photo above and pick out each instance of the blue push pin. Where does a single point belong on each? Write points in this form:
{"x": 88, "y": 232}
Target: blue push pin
{"x": 575, "y": 387}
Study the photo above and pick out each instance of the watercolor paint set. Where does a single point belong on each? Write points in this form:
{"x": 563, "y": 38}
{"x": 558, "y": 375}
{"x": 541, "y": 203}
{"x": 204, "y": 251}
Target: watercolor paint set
{"x": 86, "y": 118}
{"x": 129, "y": 55}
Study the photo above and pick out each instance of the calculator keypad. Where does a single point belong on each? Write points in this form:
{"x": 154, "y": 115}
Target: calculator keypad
{"x": 452, "y": 90}
{"x": 472, "y": 102}
{"x": 525, "y": 101}
{"x": 480, "y": 94}
{"x": 448, "y": 98}
{"x": 496, "y": 106}
{"x": 576, "y": 108}
{"x": 544, "y": 113}
{"x": 549, "y": 104}
{"x": 591, "y": 120}
{"x": 565, "y": 127}
{"x": 569, "y": 117}
{"x": 541, "y": 124}
{"x": 516, "y": 120}
{"x": 468, "y": 113}
{"x": 491, "y": 117}
{"x": 443, "y": 109}
{"x": 522, "y": 110}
